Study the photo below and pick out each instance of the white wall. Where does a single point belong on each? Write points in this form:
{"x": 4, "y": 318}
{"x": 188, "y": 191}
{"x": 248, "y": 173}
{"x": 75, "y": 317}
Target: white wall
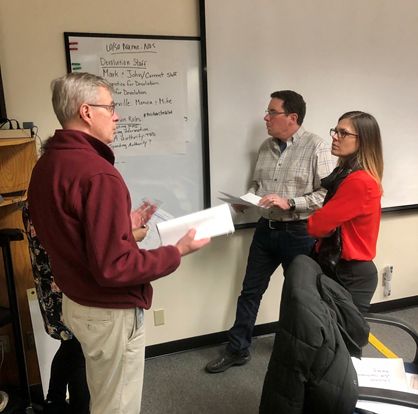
{"x": 336, "y": 70}
{"x": 200, "y": 297}
{"x": 397, "y": 246}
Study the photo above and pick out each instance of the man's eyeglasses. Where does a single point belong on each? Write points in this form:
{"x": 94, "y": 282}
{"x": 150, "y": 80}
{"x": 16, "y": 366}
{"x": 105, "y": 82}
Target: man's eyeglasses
{"x": 272, "y": 113}
{"x": 340, "y": 133}
{"x": 110, "y": 108}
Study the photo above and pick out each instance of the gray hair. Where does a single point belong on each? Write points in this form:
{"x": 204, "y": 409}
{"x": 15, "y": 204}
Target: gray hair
{"x": 69, "y": 92}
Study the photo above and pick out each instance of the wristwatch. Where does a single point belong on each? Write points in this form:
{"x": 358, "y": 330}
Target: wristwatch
{"x": 291, "y": 203}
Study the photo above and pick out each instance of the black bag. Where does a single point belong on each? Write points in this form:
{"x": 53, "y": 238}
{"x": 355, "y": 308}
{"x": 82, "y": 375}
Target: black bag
{"x": 329, "y": 253}
{"x": 330, "y": 248}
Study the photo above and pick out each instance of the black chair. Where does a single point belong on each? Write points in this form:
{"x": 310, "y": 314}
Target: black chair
{"x": 392, "y": 397}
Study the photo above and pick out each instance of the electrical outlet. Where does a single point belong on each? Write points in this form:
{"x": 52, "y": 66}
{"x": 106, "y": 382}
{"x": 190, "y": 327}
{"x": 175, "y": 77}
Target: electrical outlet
{"x": 388, "y": 273}
{"x": 387, "y": 280}
{"x": 5, "y": 343}
{"x": 28, "y": 125}
{"x": 159, "y": 317}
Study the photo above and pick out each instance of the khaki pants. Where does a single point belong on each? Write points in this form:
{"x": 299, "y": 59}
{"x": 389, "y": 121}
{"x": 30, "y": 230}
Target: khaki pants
{"x": 113, "y": 343}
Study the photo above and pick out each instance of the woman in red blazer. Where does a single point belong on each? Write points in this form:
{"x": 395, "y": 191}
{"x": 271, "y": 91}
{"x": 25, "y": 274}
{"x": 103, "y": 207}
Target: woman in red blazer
{"x": 347, "y": 225}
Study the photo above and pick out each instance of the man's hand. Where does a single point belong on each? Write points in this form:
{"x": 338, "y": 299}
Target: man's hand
{"x": 187, "y": 244}
{"x": 239, "y": 208}
{"x": 273, "y": 200}
{"x": 140, "y": 217}
{"x": 139, "y": 233}
{"x": 142, "y": 214}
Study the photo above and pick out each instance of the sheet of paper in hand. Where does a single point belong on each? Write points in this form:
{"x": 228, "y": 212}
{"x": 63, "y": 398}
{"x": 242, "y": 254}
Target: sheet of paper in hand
{"x": 211, "y": 222}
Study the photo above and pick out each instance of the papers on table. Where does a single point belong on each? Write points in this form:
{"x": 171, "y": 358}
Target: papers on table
{"x": 248, "y": 199}
{"x": 384, "y": 408}
{"x": 211, "y": 222}
{"x": 388, "y": 373}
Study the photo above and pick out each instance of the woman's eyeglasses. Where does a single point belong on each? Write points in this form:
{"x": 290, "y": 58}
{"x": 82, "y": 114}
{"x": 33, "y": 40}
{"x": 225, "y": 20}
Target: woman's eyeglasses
{"x": 340, "y": 133}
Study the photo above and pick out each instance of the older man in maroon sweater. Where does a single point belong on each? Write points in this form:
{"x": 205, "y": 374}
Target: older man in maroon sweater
{"x": 80, "y": 207}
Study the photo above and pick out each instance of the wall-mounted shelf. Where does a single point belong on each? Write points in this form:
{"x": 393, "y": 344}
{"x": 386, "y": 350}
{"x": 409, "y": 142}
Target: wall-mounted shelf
{"x": 8, "y": 200}
{"x": 7, "y": 142}
{"x": 17, "y": 158}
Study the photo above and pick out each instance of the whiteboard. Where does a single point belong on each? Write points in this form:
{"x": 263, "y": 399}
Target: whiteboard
{"x": 159, "y": 144}
{"x": 340, "y": 55}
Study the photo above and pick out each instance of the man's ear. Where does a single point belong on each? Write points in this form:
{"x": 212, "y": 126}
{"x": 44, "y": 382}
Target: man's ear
{"x": 84, "y": 112}
{"x": 294, "y": 117}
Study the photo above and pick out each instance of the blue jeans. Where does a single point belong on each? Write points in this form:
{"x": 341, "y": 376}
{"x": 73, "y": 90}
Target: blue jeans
{"x": 269, "y": 249}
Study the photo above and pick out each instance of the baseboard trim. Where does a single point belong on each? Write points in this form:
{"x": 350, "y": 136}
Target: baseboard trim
{"x": 263, "y": 329}
{"x": 395, "y": 304}
{"x": 201, "y": 341}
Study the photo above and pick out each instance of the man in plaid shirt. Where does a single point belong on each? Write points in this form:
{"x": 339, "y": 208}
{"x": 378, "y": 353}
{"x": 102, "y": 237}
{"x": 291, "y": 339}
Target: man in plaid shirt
{"x": 287, "y": 177}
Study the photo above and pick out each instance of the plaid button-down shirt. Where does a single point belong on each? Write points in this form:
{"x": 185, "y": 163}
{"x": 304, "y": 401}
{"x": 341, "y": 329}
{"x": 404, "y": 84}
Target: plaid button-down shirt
{"x": 294, "y": 173}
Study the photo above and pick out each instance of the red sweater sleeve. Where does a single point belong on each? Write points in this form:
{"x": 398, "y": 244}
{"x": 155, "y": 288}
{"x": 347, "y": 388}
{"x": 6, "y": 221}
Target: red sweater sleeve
{"x": 114, "y": 257}
{"x": 351, "y": 200}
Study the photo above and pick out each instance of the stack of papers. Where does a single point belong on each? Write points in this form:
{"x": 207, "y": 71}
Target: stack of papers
{"x": 211, "y": 222}
{"x": 248, "y": 199}
{"x": 388, "y": 373}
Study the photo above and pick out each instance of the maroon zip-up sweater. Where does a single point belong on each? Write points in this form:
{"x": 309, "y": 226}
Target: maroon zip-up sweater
{"x": 80, "y": 207}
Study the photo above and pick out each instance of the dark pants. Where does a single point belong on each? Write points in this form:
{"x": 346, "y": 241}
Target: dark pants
{"x": 360, "y": 279}
{"x": 68, "y": 368}
{"x": 269, "y": 249}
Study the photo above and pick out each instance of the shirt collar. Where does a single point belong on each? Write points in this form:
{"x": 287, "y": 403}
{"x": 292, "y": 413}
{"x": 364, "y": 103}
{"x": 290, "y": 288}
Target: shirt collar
{"x": 294, "y": 138}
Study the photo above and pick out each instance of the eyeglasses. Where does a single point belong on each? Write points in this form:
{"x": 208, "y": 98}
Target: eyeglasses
{"x": 272, "y": 113}
{"x": 110, "y": 108}
{"x": 340, "y": 133}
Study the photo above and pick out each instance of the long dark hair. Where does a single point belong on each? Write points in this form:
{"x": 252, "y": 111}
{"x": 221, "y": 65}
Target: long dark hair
{"x": 369, "y": 155}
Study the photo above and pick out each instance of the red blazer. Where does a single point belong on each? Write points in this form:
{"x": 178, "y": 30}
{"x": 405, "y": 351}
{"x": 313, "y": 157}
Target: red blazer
{"x": 356, "y": 208}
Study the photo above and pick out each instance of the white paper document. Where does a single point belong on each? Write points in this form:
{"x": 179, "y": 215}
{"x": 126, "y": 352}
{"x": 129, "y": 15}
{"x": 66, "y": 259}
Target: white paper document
{"x": 248, "y": 199}
{"x": 385, "y": 408}
{"x": 388, "y": 373}
{"x": 211, "y": 222}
